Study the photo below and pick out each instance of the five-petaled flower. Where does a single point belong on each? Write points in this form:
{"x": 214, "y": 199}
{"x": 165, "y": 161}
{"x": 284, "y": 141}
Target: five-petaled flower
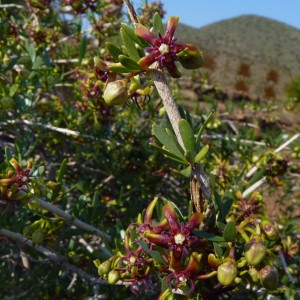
{"x": 21, "y": 178}
{"x": 179, "y": 238}
{"x": 166, "y": 51}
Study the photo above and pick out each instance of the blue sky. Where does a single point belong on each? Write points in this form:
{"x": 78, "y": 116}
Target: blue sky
{"x": 198, "y": 13}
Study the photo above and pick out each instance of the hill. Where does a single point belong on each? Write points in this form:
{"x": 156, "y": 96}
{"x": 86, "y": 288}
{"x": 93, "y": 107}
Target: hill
{"x": 248, "y": 53}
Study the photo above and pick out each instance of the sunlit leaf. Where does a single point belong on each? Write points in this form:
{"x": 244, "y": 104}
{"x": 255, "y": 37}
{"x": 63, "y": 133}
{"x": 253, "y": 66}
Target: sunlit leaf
{"x": 187, "y": 135}
{"x": 129, "y": 63}
{"x": 158, "y": 24}
{"x": 129, "y": 45}
{"x": 230, "y": 232}
{"x": 130, "y": 32}
{"x": 201, "y": 154}
{"x": 114, "y": 50}
{"x": 208, "y": 119}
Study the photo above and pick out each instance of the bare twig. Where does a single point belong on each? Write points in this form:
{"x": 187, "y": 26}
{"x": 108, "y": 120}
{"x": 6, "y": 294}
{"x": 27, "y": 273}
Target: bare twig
{"x": 57, "y": 258}
{"x": 284, "y": 145}
{"x": 131, "y": 11}
{"x": 285, "y": 268}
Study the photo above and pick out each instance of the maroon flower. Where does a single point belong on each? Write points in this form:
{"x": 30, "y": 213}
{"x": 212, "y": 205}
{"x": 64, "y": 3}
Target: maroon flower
{"x": 166, "y": 51}
{"x": 21, "y": 178}
{"x": 180, "y": 237}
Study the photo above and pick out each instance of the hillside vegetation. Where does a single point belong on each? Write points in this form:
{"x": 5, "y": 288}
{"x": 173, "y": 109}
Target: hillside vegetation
{"x": 251, "y": 53}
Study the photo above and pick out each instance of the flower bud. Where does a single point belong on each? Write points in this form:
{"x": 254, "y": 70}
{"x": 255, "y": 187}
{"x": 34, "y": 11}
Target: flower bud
{"x": 269, "y": 277}
{"x": 213, "y": 261}
{"x": 191, "y": 57}
{"x": 113, "y": 277}
{"x": 255, "y": 251}
{"x": 227, "y": 272}
{"x": 270, "y": 231}
{"x": 116, "y": 93}
{"x": 104, "y": 268}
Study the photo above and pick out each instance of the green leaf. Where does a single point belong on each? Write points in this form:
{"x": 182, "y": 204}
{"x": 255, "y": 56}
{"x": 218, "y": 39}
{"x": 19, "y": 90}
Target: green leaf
{"x": 189, "y": 157}
{"x": 230, "y": 232}
{"x": 169, "y": 154}
{"x": 129, "y": 63}
{"x": 174, "y": 139}
{"x": 208, "y": 119}
{"x": 201, "y": 154}
{"x": 114, "y": 50}
{"x": 13, "y": 89}
{"x": 8, "y": 154}
{"x": 119, "y": 68}
{"x": 154, "y": 253}
{"x": 162, "y": 135}
{"x": 129, "y": 45}
{"x": 158, "y": 24}
{"x": 82, "y": 48}
{"x": 208, "y": 236}
{"x": 187, "y": 171}
{"x": 130, "y": 32}
{"x": 37, "y": 63}
{"x": 218, "y": 250}
{"x": 31, "y": 50}
{"x": 62, "y": 170}
{"x": 187, "y": 135}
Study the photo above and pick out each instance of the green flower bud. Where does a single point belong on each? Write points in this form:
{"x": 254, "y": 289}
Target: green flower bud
{"x": 191, "y": 57}
{"x": 255, "y": 251}
{"x": 227, "y": 272}
{"x": 104, "y": 268}
{"x": 270, "y": 231}
{"x": 116, "y": 93}
{"x": 269, "y": 277}
{"x": 113, "y": 277}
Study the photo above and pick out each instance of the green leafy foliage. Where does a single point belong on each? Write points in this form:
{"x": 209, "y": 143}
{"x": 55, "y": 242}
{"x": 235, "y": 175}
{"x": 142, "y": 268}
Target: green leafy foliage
{"x": 78, "y": 176}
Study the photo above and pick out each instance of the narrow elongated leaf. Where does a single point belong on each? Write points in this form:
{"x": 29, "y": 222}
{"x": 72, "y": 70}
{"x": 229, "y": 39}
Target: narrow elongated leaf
{"x": 174, "y": 139}
{"x": 114, "y": 50}
{"x": 82, "y": 48}
{"x": 204, "y": 126}
{"x": 119, "y": 68}
{"x": 62, "y": 170}
{"x": 129, "y": 63}
{"x": 201, "y": 153}
{"x": 187, "y": 171}
{"x": 129, "y": 45}
{"x": 162, "y": 135}
{"x": 230, "y": 232}
{"x": 189, "y": 156}
{"x": 187, "y": 135}
{"x": 170, "y": 154}
{"x": 130, "y": 32}
{"x": 158, "y": 24}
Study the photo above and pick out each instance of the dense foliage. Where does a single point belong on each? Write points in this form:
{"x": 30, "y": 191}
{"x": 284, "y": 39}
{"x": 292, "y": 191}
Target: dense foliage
{"x": 103, "y": 196}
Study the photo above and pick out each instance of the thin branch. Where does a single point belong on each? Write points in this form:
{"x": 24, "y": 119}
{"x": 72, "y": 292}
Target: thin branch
{"x": 47, "y": 126}
{"x": 57, "y": 258}
{"x": 285, "y": 268}
{"x": 75, "y": 221}
{"x": 284, "y": 145}
{"x": 12, "y": 6}
{"x": 131, "y": 11}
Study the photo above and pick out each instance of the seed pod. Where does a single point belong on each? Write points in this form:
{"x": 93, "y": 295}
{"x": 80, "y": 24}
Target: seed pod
{"x": 255, "y": 251}
{"x": 116, "y": 93}
{"x": 227, "y": 272}
{"x": 269, "y": 277}
{"x": 191, "y": 57}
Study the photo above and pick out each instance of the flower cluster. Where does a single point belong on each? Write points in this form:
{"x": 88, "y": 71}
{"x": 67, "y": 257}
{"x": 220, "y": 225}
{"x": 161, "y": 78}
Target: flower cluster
{"x": 15, "y": 180}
